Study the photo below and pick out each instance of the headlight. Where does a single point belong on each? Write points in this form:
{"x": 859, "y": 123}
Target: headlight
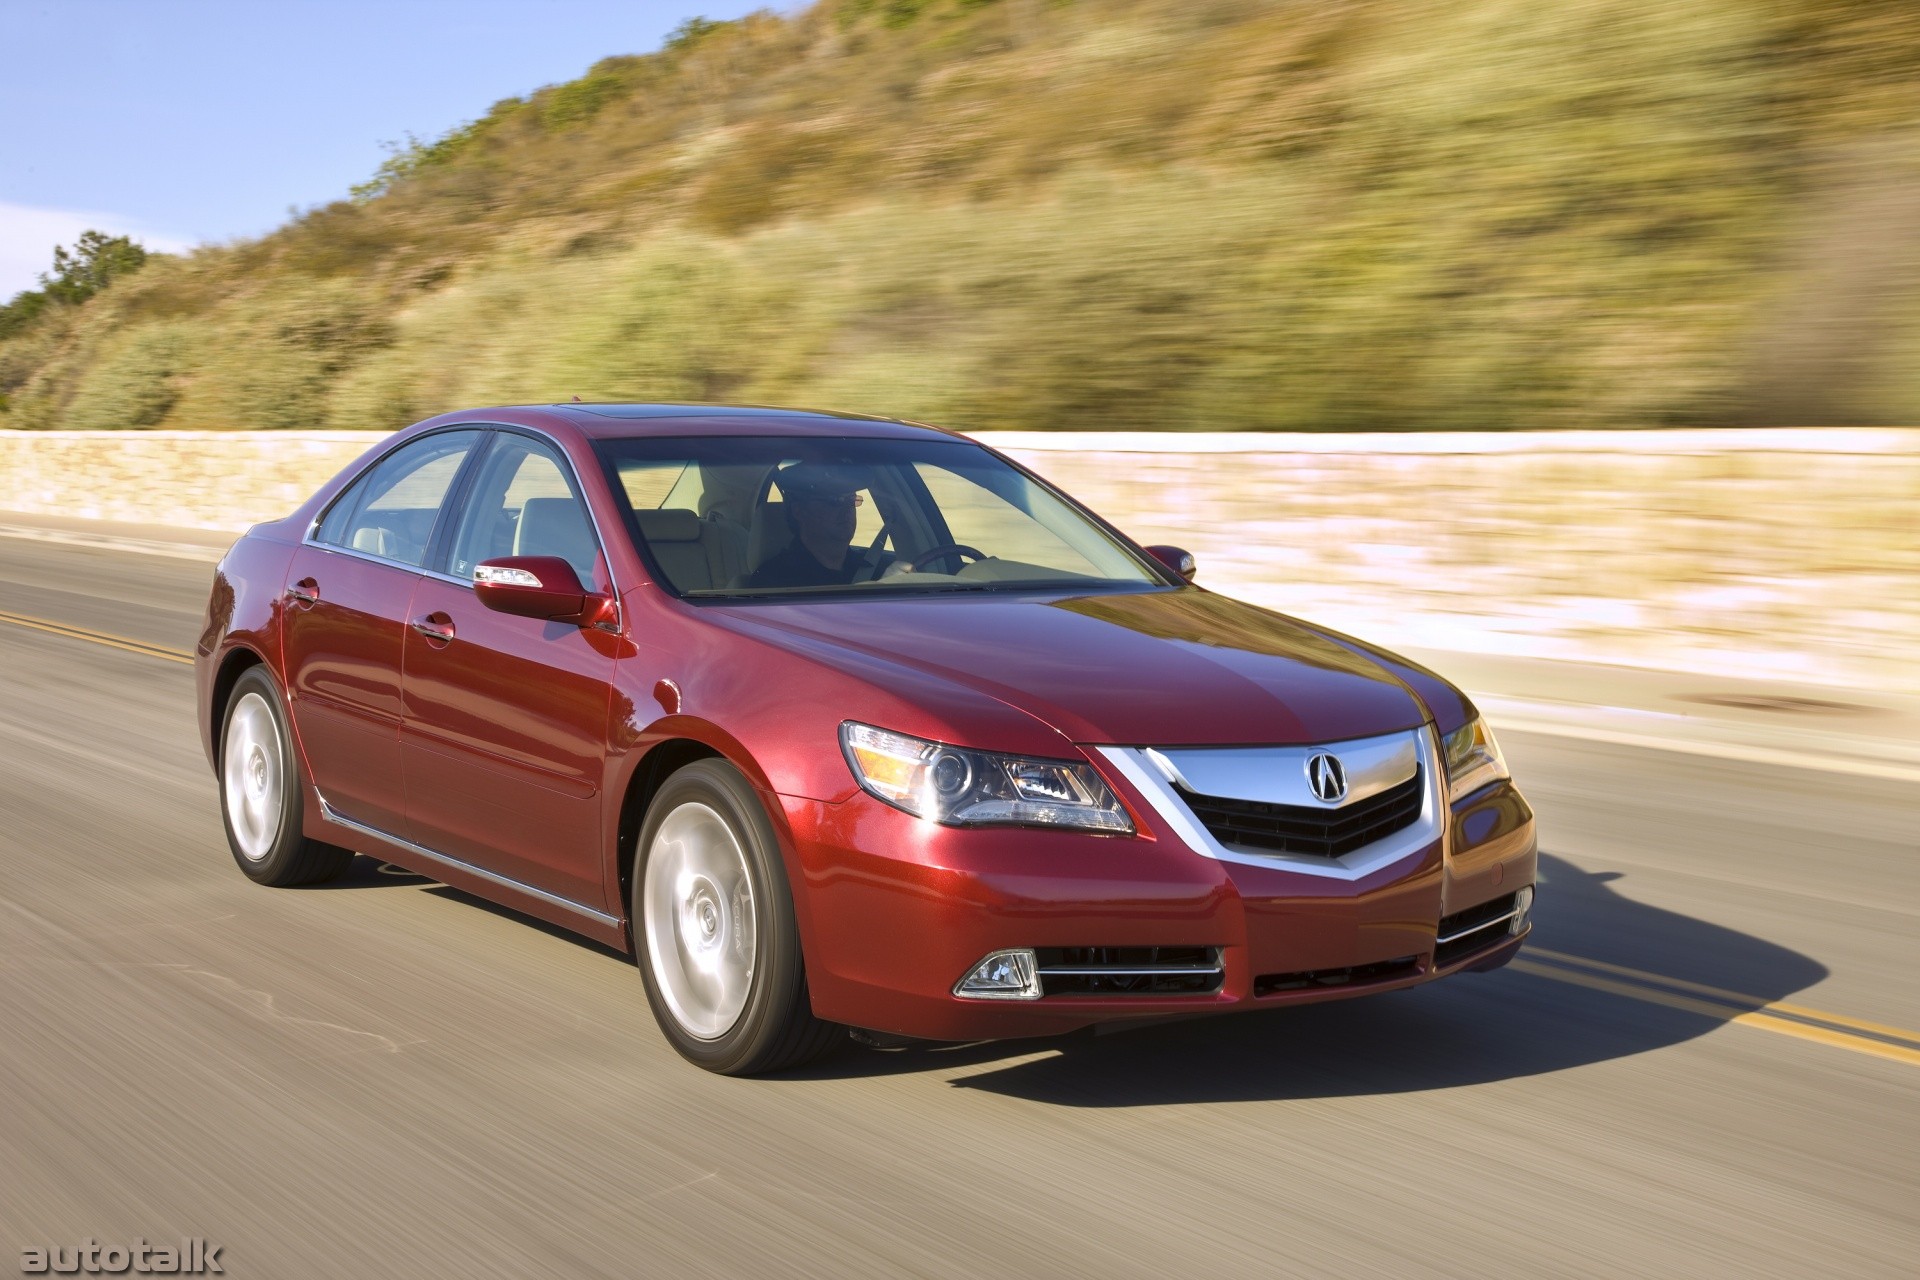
{"x": 963, "y": 788}
{"x": 1473, "y": 759}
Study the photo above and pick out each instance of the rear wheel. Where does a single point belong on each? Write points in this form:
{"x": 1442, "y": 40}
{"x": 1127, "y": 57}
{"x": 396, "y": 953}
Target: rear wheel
{"x": 714, "y": 929}
{"x": 262, "y": 793}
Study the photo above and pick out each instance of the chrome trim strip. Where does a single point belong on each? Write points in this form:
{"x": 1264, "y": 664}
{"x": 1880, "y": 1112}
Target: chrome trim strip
{"x": 1138, "y": 766}
{"x": 334, "y": 815}
{"x": 1278, "y": 775}
{"x": 1135, "y": 971}
{"x": 370, "y": 558}
{"x": 1484, "y": 924}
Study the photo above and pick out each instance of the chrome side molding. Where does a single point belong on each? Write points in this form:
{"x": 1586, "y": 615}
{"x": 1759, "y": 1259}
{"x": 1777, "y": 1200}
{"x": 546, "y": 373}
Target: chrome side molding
{"x": 333, "y": 815}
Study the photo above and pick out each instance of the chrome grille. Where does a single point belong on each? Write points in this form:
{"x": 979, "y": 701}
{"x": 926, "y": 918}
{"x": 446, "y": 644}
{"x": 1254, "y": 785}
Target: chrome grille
{"x": 1214, "y": 798}
{"x": 1298, "y": 829}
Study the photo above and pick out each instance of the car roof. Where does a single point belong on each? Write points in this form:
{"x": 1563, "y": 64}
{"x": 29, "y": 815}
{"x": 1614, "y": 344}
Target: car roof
{"x": 613, "y": 421}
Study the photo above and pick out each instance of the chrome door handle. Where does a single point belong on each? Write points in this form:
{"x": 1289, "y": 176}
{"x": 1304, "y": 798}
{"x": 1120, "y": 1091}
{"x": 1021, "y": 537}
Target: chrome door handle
{"x": 433, "y": 627}
{"x": 305, "y": 591}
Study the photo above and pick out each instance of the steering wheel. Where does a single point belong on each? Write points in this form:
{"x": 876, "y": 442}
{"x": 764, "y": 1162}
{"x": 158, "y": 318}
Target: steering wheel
{"x": 926, "y": 558}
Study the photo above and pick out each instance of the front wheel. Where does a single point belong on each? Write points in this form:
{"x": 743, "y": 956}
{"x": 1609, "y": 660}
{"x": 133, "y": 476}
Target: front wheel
{"x": 261, "y": 791}
{"x": 714, "y": 929}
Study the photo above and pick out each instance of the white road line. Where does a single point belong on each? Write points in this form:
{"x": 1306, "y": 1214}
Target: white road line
{"x": 1522, "y": 715}
{"x": 141, "y": 767}
{"x": 114, "y": 542}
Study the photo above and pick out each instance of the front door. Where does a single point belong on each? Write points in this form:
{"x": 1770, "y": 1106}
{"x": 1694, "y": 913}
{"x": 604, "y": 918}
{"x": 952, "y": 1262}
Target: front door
{"x": 348, "y": 592}
{"x": 505, "y": 736}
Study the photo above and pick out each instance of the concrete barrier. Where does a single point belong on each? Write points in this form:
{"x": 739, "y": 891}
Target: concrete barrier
{"x": 223, "y": 480}
{"x": 1785, "y": 553}
{"x": 1779, "y": 553}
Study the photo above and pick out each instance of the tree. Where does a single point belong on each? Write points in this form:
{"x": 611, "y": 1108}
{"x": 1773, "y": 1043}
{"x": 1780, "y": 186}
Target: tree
{"x": 95, "y": 261}
{"x": 691, "y": 32}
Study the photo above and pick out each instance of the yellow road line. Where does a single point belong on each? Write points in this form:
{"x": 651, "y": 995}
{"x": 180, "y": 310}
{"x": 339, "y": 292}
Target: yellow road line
{"x": 97, "y": 637}
{"x": 1731, "y": 997}
{"x": 1746, "y": 1016}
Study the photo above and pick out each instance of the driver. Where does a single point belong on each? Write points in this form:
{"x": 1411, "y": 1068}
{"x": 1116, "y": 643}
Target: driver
{"x": 822, "y": 507}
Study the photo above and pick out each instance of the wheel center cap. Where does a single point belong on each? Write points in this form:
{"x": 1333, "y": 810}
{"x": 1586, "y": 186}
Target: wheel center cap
{"x": 257, "y": 771}
{"x": 709, "y": 921}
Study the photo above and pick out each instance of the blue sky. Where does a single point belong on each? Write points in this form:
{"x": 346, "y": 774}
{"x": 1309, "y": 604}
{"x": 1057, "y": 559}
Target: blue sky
{"x": 190, "y": 121}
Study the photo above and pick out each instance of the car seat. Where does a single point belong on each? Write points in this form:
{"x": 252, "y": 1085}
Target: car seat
{"x": 378, "y": 540}
{"x": 695, "y": 554}
{"x": 557, "y": 527}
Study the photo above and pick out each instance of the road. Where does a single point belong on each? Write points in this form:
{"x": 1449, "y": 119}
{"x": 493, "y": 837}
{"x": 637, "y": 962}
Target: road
{"x": 390, "y": 1077}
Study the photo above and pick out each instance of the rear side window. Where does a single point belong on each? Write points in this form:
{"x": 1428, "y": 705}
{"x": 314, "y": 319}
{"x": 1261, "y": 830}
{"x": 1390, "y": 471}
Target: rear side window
{"x": 391, "y": 511}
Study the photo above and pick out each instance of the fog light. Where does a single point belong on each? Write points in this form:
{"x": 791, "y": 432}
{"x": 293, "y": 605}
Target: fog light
{"x": 1522, "y": 911}
{"x": 1004, "y": 975}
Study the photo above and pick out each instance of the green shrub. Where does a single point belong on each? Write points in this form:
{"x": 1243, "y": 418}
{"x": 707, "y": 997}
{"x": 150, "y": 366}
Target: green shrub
{"x": 577, "y": 100}
{"x": 133, "y": 380}
{"x": 276, "y": 357}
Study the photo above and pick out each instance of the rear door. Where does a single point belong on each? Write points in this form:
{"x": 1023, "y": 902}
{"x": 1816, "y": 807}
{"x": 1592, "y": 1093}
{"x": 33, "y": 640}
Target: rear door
{"x": 347, "y": 597}
{"x": 505, "y": 737}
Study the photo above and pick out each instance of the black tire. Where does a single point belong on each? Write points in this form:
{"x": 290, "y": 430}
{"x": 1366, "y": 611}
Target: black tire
{"x": 774, "y": 1028}
{"x": 265, "y": 835}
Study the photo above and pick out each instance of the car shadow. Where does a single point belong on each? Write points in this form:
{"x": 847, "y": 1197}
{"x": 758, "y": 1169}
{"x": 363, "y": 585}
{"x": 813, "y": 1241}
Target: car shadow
{"x": 1531, "y": 1018}
{"x": 366, "y": 872}
{"x": 1525, "y": 1020}
{"x": 532, "y": 922}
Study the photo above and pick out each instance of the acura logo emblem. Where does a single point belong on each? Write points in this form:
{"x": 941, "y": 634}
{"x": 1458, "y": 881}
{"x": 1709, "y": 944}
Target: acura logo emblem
{"x": 1326, "y": 777}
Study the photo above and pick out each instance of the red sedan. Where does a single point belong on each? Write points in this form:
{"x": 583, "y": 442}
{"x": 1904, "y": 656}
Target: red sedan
{"x": 840, "y": 722}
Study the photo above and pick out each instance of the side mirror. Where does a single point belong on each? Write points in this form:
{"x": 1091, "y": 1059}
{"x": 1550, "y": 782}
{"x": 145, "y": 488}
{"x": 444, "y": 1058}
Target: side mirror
{"x": 539, "y": 587}
{"x": 1181, "y": 562}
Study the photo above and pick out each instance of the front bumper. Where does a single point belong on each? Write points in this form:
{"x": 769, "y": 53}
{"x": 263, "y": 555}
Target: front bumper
{"x": 894, "y": 910}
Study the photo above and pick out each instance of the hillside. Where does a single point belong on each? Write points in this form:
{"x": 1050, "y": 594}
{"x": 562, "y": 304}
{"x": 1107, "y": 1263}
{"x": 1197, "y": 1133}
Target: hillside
{"x": 1105, "y": 214}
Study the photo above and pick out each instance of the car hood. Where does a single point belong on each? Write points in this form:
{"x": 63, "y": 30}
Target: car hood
{"x": 1183, "y": 667}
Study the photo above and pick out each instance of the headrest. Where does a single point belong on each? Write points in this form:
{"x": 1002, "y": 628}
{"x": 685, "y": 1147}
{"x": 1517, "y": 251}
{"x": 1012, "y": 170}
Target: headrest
{"x": 818, "y": 480}
{"x": 729, "y": 489}
{"x": 381, "y": 542}
{"x": 672, "y": 524}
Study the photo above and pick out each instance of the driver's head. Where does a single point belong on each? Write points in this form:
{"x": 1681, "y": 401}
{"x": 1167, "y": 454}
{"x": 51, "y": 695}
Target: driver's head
{"x": 822, "y": 502}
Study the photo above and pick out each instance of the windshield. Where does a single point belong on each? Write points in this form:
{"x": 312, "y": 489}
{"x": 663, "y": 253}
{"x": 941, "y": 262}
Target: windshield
{"x": 775, "y": 516}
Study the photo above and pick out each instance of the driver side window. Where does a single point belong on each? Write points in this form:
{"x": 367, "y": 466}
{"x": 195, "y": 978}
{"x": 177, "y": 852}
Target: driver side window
{"x": 524, "y": 504}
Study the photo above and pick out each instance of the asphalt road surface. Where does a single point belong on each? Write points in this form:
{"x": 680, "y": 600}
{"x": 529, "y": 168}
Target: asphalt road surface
{"x": 1709, "y": 1066}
